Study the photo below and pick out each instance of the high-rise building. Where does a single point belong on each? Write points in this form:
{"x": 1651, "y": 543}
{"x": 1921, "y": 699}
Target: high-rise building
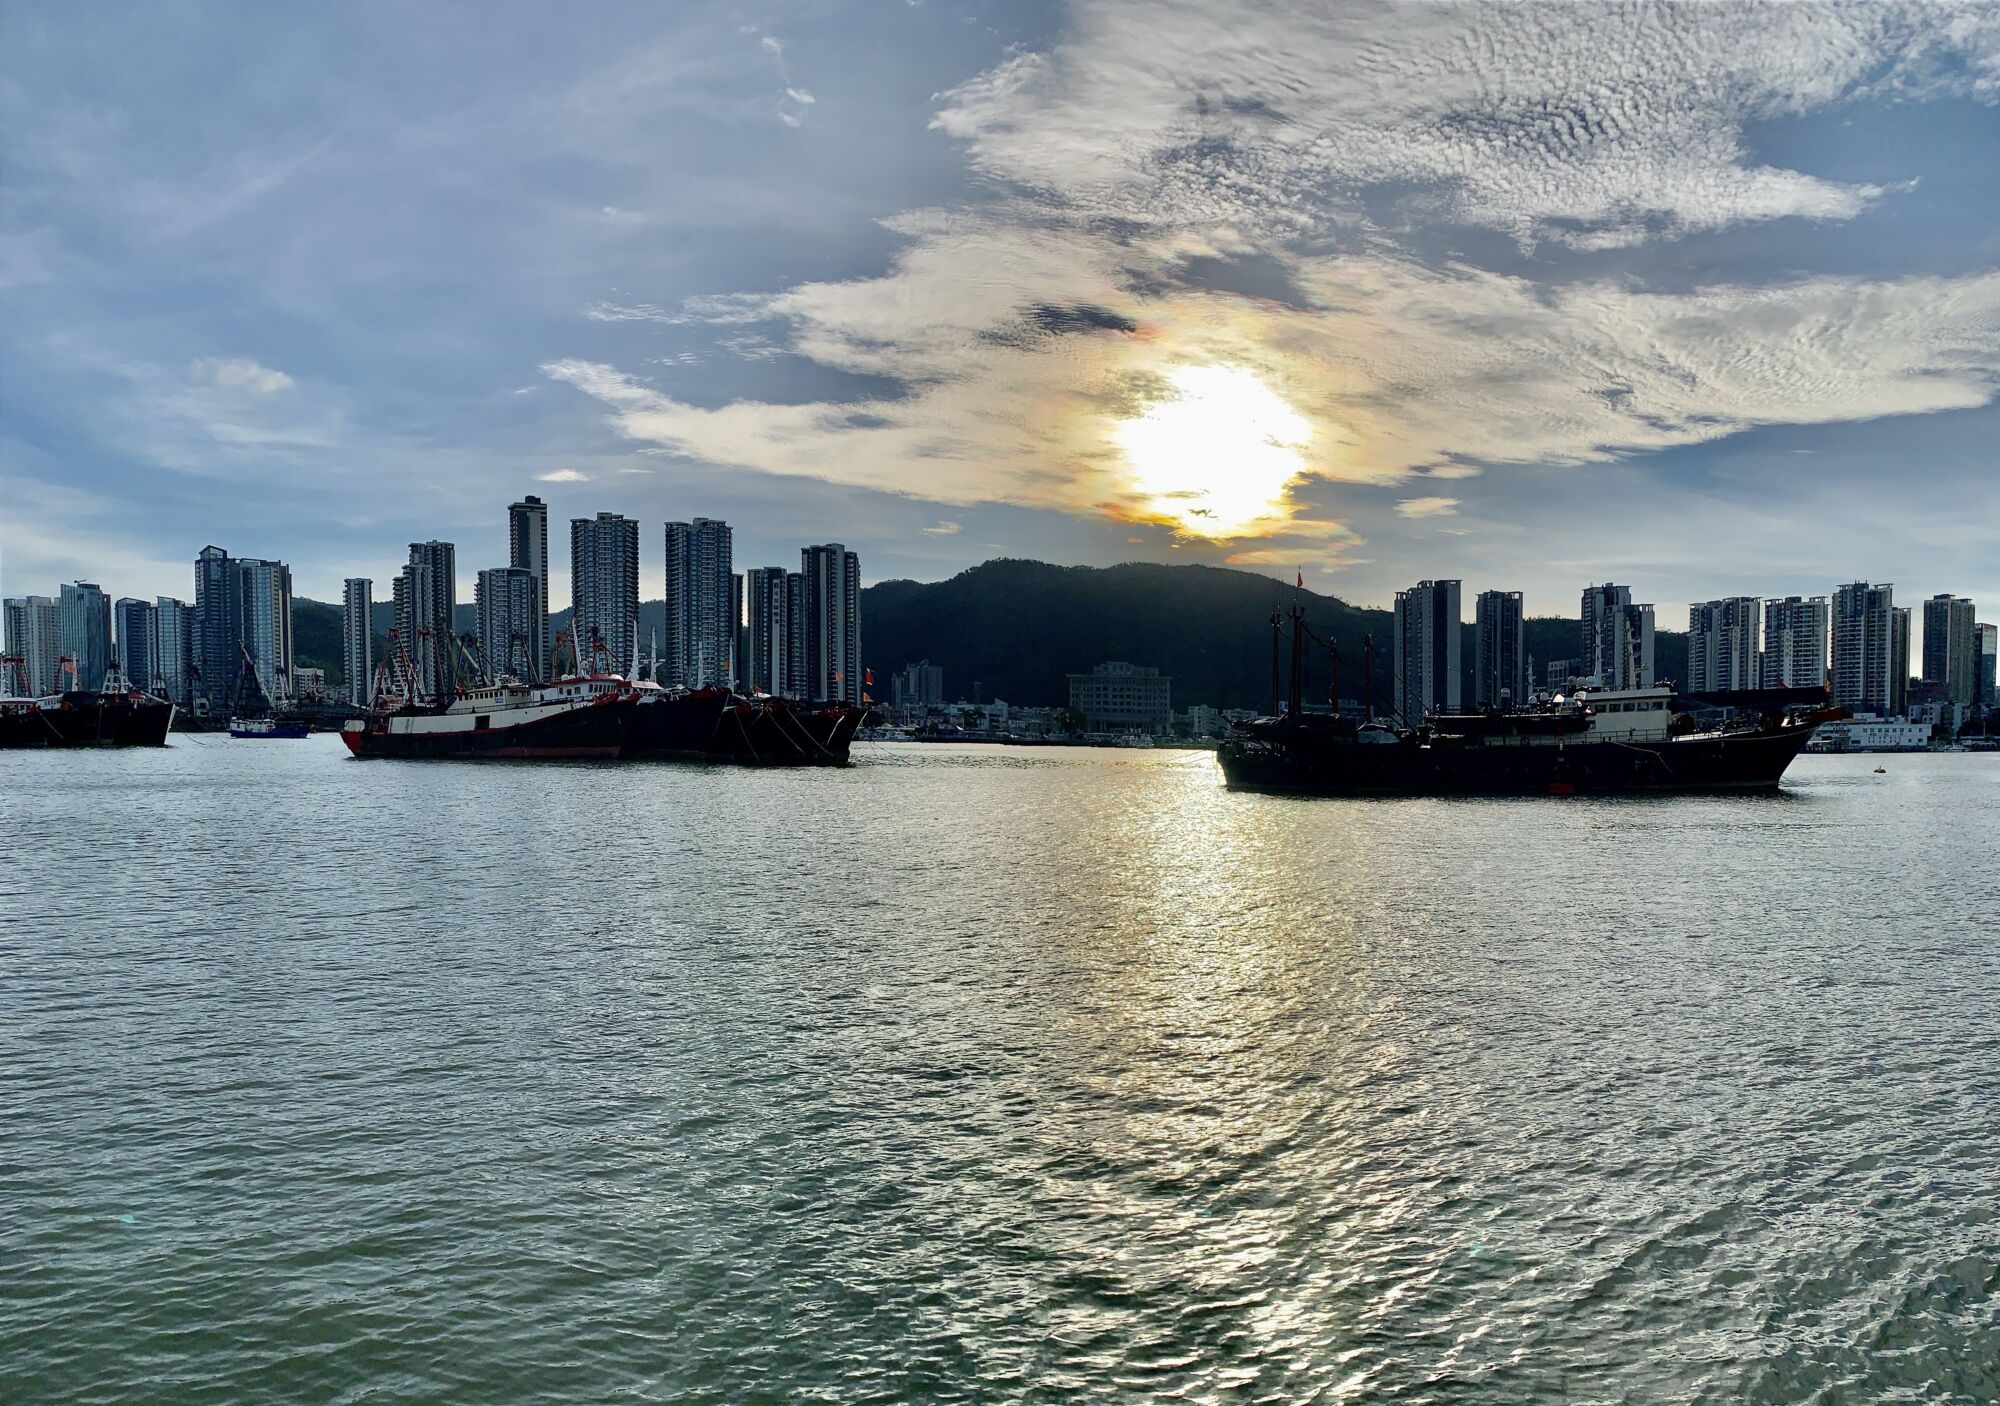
{"x": 1864, "y": 648}
{"x": 1794, "y": 653}
{"x": 1951, "y": 648}
{"x": 34, "y": 637}
{"x": 265, "y": 624}
{"x": 426, "y": 595}
{"x": 1428, "y": 650}
{"x": 767, "y": 630}
{"x": 1989, "y": 665}
{"x": 357, "y": 639}
{"x": 1722, "y": 644}
{"x": 86, "y": 633}
{"x": 528, "y": 550}
{"x": 173, "y": 651}
{"x": 217, "y": 643}
{"x": 604, "y": 590}
{"x": 1500, "y": 651}
{"x": 506, "y": 608}
{"x": 830, "y": 610}
{"x": 918, "y": 686}
{"x": 702, "y": 613}
{"x": 1617, "y": 638}
{"x": 138, "y": 641}
{"x": 1899, "y": 661}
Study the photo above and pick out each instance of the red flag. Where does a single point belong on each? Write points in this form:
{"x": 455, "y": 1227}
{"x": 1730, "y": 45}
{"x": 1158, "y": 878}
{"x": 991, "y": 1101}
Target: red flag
{"x": 868, "y": 677}
{"x": 1301, "y": 583}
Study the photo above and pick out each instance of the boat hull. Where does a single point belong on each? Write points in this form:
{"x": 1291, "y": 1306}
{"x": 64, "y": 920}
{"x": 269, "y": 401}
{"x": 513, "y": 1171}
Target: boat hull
{"x": 595, "y": 732}
{"x": 1304, "y": 762}
{"x": 284, "y": 731}
{"x": 87, "y": 720}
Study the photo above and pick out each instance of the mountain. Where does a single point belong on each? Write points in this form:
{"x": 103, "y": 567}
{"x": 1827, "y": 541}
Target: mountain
{"x": 1015, "y": 629}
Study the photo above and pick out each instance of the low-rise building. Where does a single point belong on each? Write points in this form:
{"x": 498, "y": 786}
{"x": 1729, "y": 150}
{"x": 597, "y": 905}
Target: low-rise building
{"x": 1116, "y": 696}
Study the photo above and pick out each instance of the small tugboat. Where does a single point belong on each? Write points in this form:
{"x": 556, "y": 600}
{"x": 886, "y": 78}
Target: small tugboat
{"x": 1595, "y": 741}
{"x": 115, "y": 715}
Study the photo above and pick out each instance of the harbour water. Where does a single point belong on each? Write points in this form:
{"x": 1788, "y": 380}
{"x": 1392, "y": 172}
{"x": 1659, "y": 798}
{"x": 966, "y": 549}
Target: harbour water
{"x": 989, "y": 1075}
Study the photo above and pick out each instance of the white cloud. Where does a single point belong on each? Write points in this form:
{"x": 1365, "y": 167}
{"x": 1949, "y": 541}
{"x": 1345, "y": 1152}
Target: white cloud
{"x": 1427, "y": 507}
{"x": 946, "y": 528}
{"x": 1021, "y": 330}
{"x": 239, "y": 373}
{"x": 562, "y": 476}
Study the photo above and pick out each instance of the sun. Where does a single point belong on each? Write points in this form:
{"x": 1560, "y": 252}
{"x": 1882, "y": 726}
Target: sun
{"x": 1216, "y": 457}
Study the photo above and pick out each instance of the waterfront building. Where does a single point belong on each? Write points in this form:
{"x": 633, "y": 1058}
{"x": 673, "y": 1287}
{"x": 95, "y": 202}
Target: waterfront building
{"x": 1617, "y": 638}
{"x": 1428, "y": 650}
{"x": 1206, "y": 721}
{"x": 1116, "y": 696}
{"x": 173, "y": 651}
{"x": 1863, "y": 620}
{"x": 242, "y": 605}
{"x": 217, "y": 649}
{"x": 770, "y": 602}
{"x": 528, "y": 550}
{"x": 1989, "y": 665}
{"x": 830, "y": 615}
{"x": 604, "y": 590}
{"x": 86, "y": 633}
{"x": 426, "y": 602}
{"x": 308, "y": 682}
{"x": 357, "y": 640}
{"x": 1722, "y": 644}
{"x": 137, "y": 640}
{"x": 1899, "y": 661}
{"x": 34, "y": 637}
{"x": 701, "y": 601}
{"x": 504, "y": 601}
{"x": 1868, "y": 732}
{"x": 918, "y": 686}
{"x": 1500, "y": 651}
{"x": 265, "y": 622}
{"x": 1795, "y": 635}
{"x": 1951, "y": 648}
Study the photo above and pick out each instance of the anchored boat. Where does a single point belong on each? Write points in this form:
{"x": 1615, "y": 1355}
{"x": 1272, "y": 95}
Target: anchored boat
{"x": 1596, "y": 740}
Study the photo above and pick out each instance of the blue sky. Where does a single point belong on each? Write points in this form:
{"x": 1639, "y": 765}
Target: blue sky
{"x": 1706, "y": 300}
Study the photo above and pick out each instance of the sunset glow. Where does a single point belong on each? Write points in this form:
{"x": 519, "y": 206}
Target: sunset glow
{"x": 1217, "y": 456}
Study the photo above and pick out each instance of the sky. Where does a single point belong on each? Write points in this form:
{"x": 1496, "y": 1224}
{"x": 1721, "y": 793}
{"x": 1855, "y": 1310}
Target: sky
{"x": 1704, "y": 300}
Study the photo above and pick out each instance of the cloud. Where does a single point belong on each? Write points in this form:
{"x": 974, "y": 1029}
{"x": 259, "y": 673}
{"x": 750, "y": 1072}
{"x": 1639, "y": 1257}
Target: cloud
{"x": 1186, "y": 186}
{"x": 239, "y": 373}
{"x": 1427, "y": 507}
{"x": 562, "y": 476}
{"x": 945, "y": 528}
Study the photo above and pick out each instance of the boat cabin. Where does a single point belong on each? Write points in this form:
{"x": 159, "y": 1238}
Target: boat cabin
{"x": 1628, "y": 714}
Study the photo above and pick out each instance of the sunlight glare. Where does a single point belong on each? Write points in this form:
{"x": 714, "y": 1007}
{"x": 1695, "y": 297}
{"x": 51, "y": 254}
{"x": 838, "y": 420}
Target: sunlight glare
{"x": 1217, "y": 457}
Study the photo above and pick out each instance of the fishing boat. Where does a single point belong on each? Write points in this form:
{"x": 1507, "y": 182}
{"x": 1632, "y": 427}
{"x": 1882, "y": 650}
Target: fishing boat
{"x": 1595, "y": 740}
{"x": 263, "y": 719}
{"x": 114, "y": 715}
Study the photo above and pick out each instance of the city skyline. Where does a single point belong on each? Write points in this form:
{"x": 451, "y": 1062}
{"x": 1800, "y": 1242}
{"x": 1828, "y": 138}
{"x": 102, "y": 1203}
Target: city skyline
{"x": 1082, "y": 283}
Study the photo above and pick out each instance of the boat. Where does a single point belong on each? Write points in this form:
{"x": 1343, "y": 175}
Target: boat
{"x": 1595, "y": 741}
{"x": 269, "y": 727}
{"x": 112, "y": 716}
{"x": 582, "y": 716}
{"x": 263, "y": 720}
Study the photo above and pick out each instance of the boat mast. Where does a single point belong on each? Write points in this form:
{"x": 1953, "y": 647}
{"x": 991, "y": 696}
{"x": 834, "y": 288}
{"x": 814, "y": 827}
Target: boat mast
{"x": 1274, "y": 663}
{"x": 1368, "y": 677}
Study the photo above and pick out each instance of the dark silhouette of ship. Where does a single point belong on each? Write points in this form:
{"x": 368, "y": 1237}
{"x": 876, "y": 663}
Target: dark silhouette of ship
{"x": 115, "y": 715}
{"x": 1597, "y": 741}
